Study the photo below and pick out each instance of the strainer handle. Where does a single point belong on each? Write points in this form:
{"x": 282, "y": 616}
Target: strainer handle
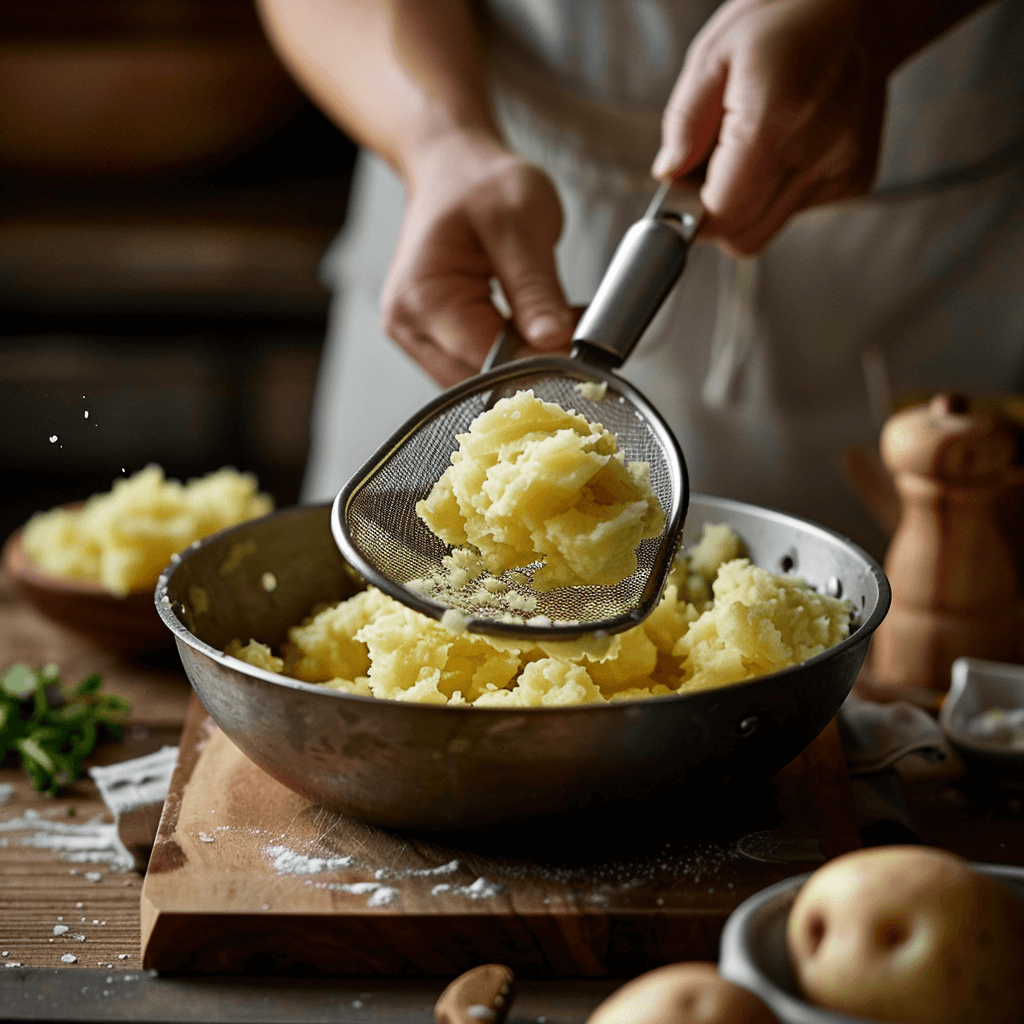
{"x": 645, "y": 266}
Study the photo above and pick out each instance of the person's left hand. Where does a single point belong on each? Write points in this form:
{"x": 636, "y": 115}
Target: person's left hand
{"x": 784, "y": 99}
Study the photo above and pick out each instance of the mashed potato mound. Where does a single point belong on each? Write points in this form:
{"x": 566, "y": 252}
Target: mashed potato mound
{"x": 124, "y": 538}
{"x": 721, "y": 620}
{"x": 531, "y": 482}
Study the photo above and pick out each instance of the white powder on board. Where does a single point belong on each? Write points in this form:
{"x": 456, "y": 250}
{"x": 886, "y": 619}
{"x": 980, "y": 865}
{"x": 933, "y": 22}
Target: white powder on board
{"x": 6, "y": 792}
{"x": 289, "y": 862}
{"x": 481, "y": 889}
{"x": 384, "y": 896}
{"x": 93, "y": 841}
{"x": 442, "y": 869}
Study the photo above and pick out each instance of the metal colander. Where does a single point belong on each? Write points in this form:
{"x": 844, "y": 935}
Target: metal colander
{"x": 374, "y": 518}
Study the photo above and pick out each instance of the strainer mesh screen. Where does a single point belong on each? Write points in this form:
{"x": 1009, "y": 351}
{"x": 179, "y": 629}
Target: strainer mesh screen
{"x": 383, "y": 527}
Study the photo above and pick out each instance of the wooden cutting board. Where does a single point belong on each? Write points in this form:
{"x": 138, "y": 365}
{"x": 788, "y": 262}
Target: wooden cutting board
{"x": 247, "y": 876}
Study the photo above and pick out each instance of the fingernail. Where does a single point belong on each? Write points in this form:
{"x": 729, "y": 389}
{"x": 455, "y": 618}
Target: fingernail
{"x": 548, "y": 327}
{"x": 664, "y": 163}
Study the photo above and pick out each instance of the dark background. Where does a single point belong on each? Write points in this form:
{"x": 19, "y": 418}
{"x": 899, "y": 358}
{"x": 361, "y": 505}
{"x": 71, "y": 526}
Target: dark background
{"x": 166, "y": 195}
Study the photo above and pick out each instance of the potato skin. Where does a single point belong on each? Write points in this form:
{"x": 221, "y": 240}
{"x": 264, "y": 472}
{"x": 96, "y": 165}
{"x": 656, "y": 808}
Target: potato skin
{"x": 909, "y": 934}
{"x": 687, "y": 993}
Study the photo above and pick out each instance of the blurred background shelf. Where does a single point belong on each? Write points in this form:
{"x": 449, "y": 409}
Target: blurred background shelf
{"x": 166, "y": 196}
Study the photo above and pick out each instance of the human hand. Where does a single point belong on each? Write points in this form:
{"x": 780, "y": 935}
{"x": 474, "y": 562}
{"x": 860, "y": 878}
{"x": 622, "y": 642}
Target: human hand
{"x": 786, "y": 98}
{"x": 475, "y": 211}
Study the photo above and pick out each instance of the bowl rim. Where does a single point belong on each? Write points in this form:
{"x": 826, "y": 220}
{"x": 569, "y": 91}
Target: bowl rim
{"x": 183, "y": 635}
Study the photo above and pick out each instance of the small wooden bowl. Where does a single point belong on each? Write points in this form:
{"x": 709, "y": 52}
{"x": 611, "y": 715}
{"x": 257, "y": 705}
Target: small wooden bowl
{"x": 126, "y": 625}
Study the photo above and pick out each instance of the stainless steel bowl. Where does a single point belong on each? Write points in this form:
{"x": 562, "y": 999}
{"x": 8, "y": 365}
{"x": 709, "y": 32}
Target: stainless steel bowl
{"x": 754, "y": 951}
{"x": 417, "y": 766}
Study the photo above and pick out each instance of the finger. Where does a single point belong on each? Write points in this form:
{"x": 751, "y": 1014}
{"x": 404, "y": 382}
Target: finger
{"x": 753, "y": 159}
{"x": 442, "y": 367}
{"x": 525, "y": 265}
{"x": 692, "y": 116}
{"x": 801, "y": 191}
{"x": 456, "y": 318}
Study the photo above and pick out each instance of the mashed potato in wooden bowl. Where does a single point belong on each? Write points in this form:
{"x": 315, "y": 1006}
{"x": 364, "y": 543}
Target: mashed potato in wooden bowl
{"x": 124, "y": 538}
{"x": 721, "y": 620}
{"x": 93, "y": 567}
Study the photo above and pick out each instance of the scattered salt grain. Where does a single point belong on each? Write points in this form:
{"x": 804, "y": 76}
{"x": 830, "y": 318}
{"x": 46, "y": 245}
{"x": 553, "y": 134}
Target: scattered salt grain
{"x": 93, "y": 876}
{"x": 60, "y": 929}
{"x": 13, "y": 963}
{"x": 69, "y": 958}
{"x": 205, "y": 837}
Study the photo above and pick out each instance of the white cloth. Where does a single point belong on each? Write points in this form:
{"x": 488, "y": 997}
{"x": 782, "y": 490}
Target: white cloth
{"x": 759, "y": 366}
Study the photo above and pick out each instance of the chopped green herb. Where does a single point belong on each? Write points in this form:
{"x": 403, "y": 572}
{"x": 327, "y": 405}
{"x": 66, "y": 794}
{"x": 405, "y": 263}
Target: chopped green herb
{"x": 51, "y": 727}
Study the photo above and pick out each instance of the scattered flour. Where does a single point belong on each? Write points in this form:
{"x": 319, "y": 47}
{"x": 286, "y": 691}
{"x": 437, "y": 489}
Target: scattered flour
{"x": 481, "y": 889}
{"x": 289, "y": 862}
{"x": 442, "y": 869}
{"x": 92, "y": 841}
{"x": 6, "y": 792}
{"x": 383, "y": 897}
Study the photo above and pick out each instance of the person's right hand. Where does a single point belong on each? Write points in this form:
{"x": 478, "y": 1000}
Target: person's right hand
{"x": 474, "y": 211}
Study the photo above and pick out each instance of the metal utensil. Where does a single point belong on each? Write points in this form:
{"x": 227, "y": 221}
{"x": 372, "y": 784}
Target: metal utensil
{"x": 403, "y": 765}
{"x": 374, "y": 518}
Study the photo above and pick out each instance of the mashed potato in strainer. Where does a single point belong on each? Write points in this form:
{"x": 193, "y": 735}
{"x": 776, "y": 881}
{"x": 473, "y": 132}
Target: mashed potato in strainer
{"x": 124, "y": 538}
{"x": 534, "y": 483}
{"x": 721, "y": 620}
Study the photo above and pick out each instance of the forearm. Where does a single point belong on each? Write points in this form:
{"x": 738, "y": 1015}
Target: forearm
{"x": 394, "y": 74}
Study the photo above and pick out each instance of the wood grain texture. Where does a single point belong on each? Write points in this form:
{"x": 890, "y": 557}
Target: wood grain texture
{"x": 41, "y": 887}
{"x": 246, "y": 875}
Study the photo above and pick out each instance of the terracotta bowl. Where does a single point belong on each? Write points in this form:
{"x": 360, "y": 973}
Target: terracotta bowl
{"x": 125, "y": 625}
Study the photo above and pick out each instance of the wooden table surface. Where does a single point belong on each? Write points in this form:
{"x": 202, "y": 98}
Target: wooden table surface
{"x": 42, "y": 892}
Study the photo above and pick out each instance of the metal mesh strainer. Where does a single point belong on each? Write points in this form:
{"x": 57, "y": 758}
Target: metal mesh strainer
{"x": 374, "y": 518}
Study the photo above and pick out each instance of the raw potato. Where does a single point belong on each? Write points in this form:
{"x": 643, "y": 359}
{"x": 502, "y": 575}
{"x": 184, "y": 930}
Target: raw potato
{"x": 532, "y": 482}
{"x": 690, "y": 993}
{"x": 909, "y": 934}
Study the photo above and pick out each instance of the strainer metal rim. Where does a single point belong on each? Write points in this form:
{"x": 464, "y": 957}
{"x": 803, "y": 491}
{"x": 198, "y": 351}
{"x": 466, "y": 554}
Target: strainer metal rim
{"x": 585, "y": 372}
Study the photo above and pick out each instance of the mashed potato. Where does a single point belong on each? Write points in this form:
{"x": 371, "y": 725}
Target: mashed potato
{"x": 721, "y": 620}
{"x": 531, "y": 482}
{"x": 124, "y": 538}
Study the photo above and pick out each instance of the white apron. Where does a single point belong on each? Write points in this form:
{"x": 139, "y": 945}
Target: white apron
{"x": 768, "y": 369}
